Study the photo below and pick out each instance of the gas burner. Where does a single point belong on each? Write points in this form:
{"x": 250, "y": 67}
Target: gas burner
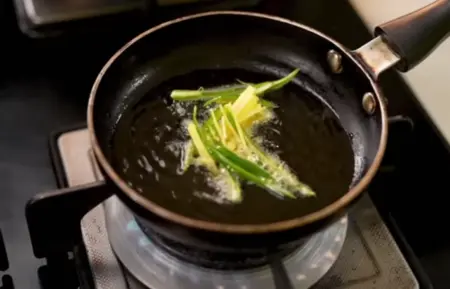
{"x": 156, "y": 268}
{"x": 216, "y": 260}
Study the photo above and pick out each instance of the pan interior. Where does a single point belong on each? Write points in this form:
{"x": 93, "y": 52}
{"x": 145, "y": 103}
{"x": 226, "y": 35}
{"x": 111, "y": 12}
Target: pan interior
{"x": 321, "y": 131}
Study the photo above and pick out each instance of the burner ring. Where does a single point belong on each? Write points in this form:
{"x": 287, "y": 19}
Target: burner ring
{"x": 156, "y": 268}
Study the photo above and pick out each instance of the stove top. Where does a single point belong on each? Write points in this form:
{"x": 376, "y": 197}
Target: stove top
{"x": 357, "y": 251}
{"x": 51, "y": 93}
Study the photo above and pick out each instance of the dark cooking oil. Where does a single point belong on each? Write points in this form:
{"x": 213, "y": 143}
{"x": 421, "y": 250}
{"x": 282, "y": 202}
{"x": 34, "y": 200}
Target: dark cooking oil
{"x": 149, "y": 139}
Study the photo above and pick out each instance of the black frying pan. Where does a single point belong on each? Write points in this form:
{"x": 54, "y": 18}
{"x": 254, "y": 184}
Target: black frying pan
{"x": 259, "y": 44}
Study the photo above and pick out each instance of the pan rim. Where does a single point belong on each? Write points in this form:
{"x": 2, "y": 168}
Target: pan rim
{"x": 284, "y": 225}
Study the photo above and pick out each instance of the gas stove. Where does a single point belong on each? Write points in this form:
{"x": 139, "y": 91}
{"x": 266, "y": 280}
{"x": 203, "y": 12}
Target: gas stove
{"x": 399, "y": 241}
{"x": 357, "y": 251}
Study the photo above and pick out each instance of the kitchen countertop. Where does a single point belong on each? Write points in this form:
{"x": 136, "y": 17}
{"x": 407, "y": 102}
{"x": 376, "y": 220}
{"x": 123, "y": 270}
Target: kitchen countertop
{"x": 429, "y": 80}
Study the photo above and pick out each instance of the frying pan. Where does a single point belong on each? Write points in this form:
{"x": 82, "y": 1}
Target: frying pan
{"x": 344, "y": 79}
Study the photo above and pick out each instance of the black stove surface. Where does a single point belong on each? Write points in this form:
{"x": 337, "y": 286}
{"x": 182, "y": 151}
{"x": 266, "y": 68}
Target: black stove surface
{"x": 44, "y": 86}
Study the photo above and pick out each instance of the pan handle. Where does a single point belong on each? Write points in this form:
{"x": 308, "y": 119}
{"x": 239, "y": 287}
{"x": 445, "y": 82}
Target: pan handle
{"x": 404, "y": 42}
{"x": 54, "y": 218}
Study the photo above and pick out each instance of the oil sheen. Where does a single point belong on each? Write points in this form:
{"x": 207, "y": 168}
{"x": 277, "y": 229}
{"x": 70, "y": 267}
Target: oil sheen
{"x": 148, "y": 146}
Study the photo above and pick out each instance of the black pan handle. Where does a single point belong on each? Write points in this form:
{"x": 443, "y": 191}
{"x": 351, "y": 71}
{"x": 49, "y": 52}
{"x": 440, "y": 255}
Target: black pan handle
{"x": 54, "y": 218}
{"x": 413, "y": 36}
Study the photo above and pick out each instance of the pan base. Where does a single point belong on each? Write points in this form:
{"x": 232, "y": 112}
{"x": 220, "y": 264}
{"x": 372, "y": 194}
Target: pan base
{"x": 217, "y": 260}
{"x": 156, "y": 269}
